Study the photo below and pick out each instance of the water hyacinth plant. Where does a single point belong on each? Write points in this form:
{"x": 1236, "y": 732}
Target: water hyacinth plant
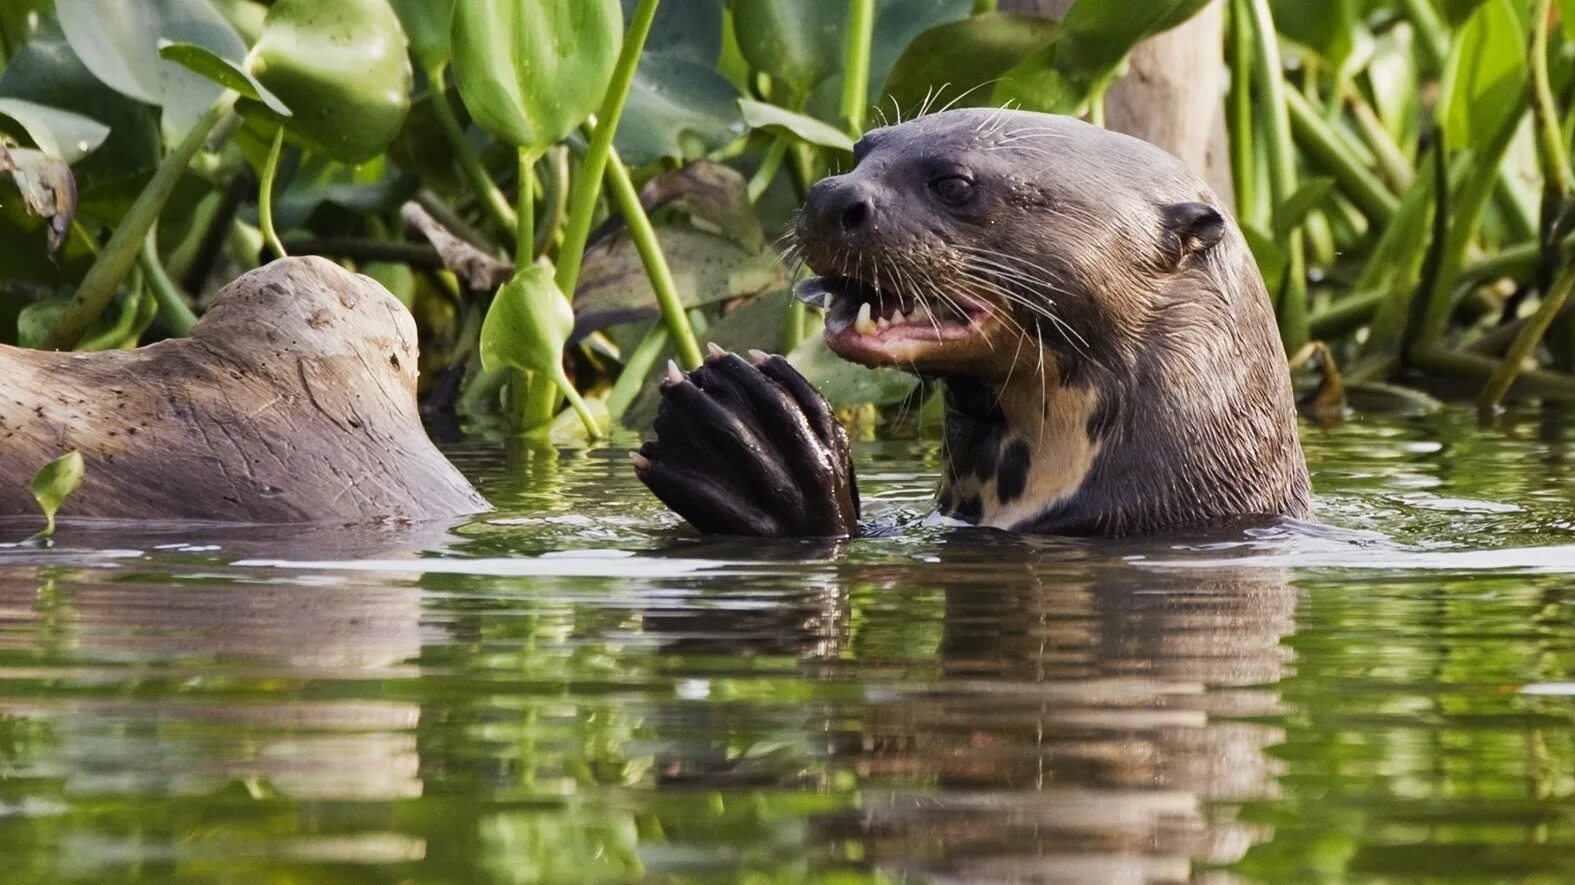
{"x": 567, "y": 193}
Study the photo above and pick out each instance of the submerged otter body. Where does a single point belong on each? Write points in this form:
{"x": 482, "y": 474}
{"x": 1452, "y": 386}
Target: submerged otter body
{"x": 1106, "y": 345}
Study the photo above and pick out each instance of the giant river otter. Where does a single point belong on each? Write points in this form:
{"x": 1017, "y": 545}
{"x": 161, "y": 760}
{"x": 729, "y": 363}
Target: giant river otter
{"x": 1105, "y": 342}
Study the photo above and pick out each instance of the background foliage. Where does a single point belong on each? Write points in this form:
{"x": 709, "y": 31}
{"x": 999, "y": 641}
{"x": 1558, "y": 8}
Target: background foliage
{"x": 1401, "y": 167}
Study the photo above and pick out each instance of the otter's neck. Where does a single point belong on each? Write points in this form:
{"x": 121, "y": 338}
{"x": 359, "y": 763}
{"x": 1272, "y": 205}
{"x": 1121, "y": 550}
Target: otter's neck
{"x": 1102, "y": 457}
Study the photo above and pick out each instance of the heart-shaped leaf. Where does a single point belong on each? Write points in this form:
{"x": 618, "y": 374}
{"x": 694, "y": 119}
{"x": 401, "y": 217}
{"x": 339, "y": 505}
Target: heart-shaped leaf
{"x": 60, "y": 134}
{"x": 845, "y": 384}
{"x": 780, "y": 121}
{"x": 119, "y": 42}
{"x": 54, "y": 483}
{"x": 531, "y": 73}
{"x": 1484, "y": 84}
{"x": 528, "y": 325}
{"x": 344, "y": 70}
{"x": 222, "y": 71}
{"x": 677, "y": 108}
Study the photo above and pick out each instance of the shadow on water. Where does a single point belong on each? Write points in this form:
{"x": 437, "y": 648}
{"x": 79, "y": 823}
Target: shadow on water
{"x": 568, "y": 691}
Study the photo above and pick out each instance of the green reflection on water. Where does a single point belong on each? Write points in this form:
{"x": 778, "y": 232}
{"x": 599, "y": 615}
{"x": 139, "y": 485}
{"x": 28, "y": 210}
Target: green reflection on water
{"x": 933, "y": 705}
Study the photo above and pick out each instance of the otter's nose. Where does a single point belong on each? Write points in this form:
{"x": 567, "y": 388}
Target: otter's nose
{"x": 837, "y": 204}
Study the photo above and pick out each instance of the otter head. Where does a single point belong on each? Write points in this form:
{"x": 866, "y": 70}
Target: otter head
{"x": 1109, "y": 353}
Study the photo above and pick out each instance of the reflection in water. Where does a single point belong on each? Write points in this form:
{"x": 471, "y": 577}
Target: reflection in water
{"x": 567, "y": 691}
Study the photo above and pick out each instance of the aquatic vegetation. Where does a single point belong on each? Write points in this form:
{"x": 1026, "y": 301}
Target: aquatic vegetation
{"x": 1401, "y": 167}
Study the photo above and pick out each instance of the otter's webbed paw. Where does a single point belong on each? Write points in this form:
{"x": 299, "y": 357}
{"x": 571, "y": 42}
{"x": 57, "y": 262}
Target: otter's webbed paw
{"x": 749, "y": 447}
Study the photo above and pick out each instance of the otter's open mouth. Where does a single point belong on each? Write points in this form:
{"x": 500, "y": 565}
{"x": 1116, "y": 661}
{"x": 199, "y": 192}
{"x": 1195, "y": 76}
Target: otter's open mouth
{"x": 876, "y": 326}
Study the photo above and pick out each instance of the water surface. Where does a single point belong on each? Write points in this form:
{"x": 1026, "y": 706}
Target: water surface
{"x": 572, "y": 690}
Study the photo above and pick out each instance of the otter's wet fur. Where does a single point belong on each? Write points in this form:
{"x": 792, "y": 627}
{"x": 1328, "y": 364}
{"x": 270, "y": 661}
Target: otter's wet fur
{"x": 1122, "y": 375}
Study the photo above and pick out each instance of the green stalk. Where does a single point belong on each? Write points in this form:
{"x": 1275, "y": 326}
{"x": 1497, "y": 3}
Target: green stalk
{"x": 178, "y": 317}
{"x": 1432, "y": 28}
{"x": 593, "y": 168}
{"x": 981, "y": 7}
{"x": 635, "y": 370}
{"x": 1291, "y": 308}
{"x": 493, "y": 203}
{"x": 1392, "y": 160}
{"x": 555, "y": 197}
{"x": 1545, "y": 113}
{"x": 627, "y": 200}
{"x": 533, "y": 398}
{"x": 769, "y": 166}
{"x": 1466, "y": 211}
{"x": 856, "y": 64}
{"x": 1325, "y": 147}
{"x": 265, "y": 196}
{"x": 1243, "y": 159}
{"x": 120, "y": 253}
{"x": 525, "y": 235}
{"x": 1525, "y": 344}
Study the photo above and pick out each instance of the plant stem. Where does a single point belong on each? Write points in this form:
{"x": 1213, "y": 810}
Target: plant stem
{"x": 111, "y": 266}
{"x": 555, "y": 198}
{"x": 265, "y": 196}
{"x": 1272, "y": 98}
{"x": 983, "y": 6}
{"x": 627, "y": 199}
{"x": 1545, "y": 113}
{"x": 1325, "y": 148}
{"x": 1525, "y": 343}
{"x": 635, "y": 370}
{"x": 1465, "y": 219}
{"x": 1392, "y": 160}
{"x": 493, "y": 203}
{"x": 1432, "y": 29}
{"x": 530, "y": 394}
{"x": 856, "y": 64}
{"x": 593, "y": 168}
{"x": 525, "y": 236}
{"x": 1243, "y": 159}
{"x": 769, "y": 166}
{"x": 178, "y": 317}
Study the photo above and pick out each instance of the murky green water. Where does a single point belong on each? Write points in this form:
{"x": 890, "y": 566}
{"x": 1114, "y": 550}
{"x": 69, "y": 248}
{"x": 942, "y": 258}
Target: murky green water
{"x": 566, "y": 691}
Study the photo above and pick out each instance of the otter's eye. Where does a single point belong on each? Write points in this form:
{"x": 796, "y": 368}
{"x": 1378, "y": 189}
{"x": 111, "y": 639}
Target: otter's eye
{"x": 953, "y": 189}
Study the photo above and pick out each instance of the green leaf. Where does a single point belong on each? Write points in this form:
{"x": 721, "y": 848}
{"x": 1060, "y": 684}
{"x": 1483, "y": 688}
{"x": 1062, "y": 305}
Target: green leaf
{"x": 797, "y": 42}
{"x": 344, "y": 71}
{"x": 691, "y": 29}
{"x": 1093, "y": 42}
{"x": 531, "y": 73}
{"x": 1271, "y": 259}
{"x": 1299, "y": 205}
{"x": 54, "y": 483}
{"x": 60, "y": 134}
{"x": 119, "y": 42}
{"x": 528, "y": 325}
{"x": 1567, "y": 18}
{"x": 958, "y": 61}
{"x": 48, "y": 72}
{"x": 1484, "y": 83}
{"x": 677, "y": 108}
{"x": 430, "y": 26}
{"x": 224, "y": 72}
{"x": 759, "y": 115}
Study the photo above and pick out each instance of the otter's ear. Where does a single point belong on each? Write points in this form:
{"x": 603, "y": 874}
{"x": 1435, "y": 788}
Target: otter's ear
{"x": 1194, "y": 228}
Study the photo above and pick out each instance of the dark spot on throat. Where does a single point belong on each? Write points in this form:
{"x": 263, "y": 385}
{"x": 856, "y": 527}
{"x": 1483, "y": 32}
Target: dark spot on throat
{"x": 970, "y": 509}
{"x": 1012, "y": 480}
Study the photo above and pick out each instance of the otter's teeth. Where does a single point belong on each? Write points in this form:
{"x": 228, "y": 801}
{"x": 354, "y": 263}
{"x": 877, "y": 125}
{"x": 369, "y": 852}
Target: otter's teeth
{"x": 864, "y": 325}
{"x": 898, "y": 318}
